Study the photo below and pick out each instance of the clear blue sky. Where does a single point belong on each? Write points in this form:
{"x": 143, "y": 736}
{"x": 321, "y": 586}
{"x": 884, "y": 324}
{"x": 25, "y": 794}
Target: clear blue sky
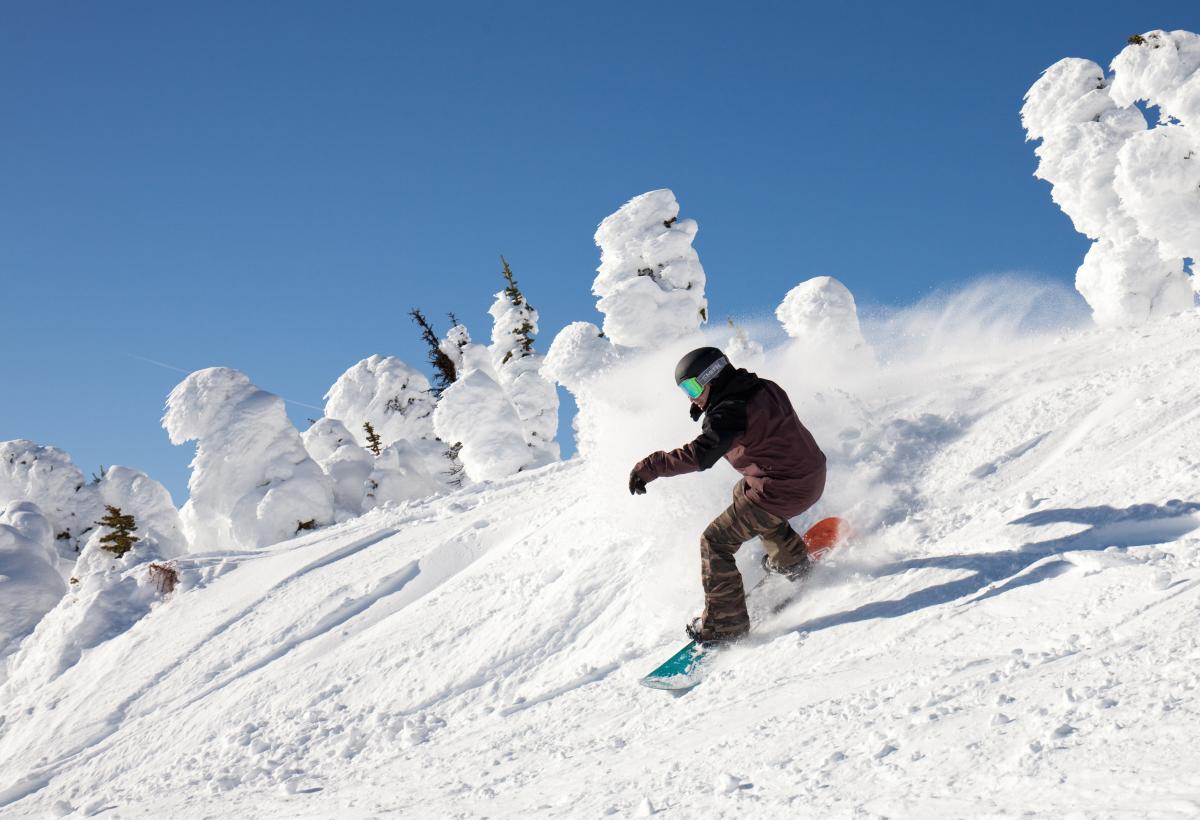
{"x": 271, "y": 186}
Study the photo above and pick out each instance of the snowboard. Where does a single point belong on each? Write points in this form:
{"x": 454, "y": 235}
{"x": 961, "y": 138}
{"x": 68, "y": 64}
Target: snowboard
{"x": 685, "y": 668}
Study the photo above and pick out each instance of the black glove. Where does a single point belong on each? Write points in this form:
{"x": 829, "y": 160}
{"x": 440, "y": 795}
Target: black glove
{"x": 636, "y": 485}
{"x": 695, "y": 412}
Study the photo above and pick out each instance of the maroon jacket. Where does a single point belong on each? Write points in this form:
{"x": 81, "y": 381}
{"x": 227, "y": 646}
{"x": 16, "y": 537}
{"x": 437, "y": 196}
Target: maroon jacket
{"x": 751, "y": 423}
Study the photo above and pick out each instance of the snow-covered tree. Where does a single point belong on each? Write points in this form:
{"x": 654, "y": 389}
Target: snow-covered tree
{"x": 444, "y": 370}
{"x": 577, "y": 355}
{"x": 159, "y": 525}
{"x": 477, "y": 420}
{"x": 396, "y": 399}
{"x": 820, "y": 314}
{"x": 47, "y": 477}
{"x": 517, "y": 367}
{"x": 1129, "y": 187}
{"x": 650, "y": 282}
{"x": 456, "y": 341}
{"x": 411, "y": 469}
{"x": 31, "y": 585}
{"x": 107, "y": 592}
{"x": 1158, "y": 172}
{"x": 252, "y": 482}
{"x": 344, "y": 461}
{"x": 476, "y": 413}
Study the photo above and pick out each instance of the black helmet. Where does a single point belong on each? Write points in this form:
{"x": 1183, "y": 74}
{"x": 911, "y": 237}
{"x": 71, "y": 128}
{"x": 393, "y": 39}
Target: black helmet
{"x": 703, "y": 365}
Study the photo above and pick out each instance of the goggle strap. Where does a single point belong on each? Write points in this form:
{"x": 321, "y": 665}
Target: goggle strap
{"x": 709, "y": 373}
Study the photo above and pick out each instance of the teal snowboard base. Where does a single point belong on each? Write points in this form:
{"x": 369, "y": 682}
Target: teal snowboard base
{"x": 682, "y": 671}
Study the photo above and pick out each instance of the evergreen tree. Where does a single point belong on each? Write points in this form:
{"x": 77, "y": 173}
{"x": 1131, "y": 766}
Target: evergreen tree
{"x": 121, "y": 538}
{"x": 445, "y": 373}
{"x": 374, "y": 440}
{"x": 524, "y": 329}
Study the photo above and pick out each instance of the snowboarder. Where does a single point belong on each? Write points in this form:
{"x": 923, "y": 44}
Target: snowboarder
{"x": 749, "y": 421}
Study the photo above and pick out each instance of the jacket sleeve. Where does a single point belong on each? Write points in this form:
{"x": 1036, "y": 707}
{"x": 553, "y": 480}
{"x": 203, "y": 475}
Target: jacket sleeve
{"x": 721, "y": 428}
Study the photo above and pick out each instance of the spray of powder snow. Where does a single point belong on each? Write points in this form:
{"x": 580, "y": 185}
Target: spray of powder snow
{"x": 631, "y": 407}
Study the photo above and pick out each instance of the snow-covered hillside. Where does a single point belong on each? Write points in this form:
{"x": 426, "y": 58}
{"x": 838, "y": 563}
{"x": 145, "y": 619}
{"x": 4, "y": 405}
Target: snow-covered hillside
{"x": 1016, "y": 627}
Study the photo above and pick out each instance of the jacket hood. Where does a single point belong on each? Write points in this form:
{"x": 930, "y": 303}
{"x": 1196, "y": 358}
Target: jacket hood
{"x": 732, "y": 383}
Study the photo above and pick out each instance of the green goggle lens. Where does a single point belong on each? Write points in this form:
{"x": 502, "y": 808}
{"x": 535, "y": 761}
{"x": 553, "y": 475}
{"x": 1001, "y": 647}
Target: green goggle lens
{"x": 692, "y": 387}
{"x": 695, "y": 385}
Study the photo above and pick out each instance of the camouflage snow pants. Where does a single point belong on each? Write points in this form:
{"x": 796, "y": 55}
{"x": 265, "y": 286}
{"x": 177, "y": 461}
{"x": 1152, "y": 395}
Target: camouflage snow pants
{"x": 725, "y": 612}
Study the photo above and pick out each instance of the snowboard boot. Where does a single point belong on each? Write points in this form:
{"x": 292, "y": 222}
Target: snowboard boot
{"x": 709, "y": 638}
{"x": 793, "y": 573}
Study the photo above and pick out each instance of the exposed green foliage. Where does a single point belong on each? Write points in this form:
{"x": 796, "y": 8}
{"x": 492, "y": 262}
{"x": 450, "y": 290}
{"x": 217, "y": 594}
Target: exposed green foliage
{"x": 121, "y": 538}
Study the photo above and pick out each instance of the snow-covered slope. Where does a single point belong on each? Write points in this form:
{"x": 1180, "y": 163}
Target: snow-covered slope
{"x": 1016, "y": 628}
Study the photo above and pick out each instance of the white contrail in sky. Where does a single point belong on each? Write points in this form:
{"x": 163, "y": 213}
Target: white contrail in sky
{"x": 181, "y": 370}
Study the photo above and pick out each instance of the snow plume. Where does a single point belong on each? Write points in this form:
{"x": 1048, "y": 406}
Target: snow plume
{"x": 1133, "y": 189}
{"x": 988, "y": 317}
{"x": 252, "y": 482}
{"x": 31, "y": 583}
{"x": 630, "y": 407}
{"x": 741, "y": 348}
{"x": 517, "y": 367}
{"x": 650, "y": 282}
{"x": 386, "y": 392}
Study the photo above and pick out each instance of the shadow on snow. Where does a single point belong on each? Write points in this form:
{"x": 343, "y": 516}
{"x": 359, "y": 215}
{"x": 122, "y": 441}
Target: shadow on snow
{"x": 1136, "y": 526}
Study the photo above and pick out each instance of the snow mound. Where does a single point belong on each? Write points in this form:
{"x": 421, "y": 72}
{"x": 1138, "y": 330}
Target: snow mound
{"x": 106, "y": 596}
{"x": 650, "y": 282}
{"x": 30, "y": 585}
{"x": 252, "y": 482}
